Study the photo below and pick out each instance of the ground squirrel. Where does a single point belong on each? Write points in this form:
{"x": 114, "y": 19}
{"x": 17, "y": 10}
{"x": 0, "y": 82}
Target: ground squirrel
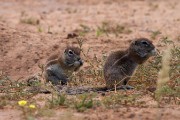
{"x": 60, "y": 67}
{"x": 120, "y": 65}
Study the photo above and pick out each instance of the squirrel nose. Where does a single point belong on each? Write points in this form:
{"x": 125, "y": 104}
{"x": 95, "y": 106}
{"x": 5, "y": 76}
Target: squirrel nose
{"x": 154, "y": 52}
{"x": 78, "y": 58}
{"x": 81, "y": 62}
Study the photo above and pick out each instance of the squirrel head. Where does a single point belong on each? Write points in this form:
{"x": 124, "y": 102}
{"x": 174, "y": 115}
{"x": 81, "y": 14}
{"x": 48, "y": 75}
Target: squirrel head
{"x": 141, "y": 49}
{"x": 72, "y": 57}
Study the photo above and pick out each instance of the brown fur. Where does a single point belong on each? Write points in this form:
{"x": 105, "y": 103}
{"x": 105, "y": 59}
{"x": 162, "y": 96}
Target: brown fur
{"x": 61, "y": 66}
{"x": 76, "y": 50}
{"x": 120, "y": 65}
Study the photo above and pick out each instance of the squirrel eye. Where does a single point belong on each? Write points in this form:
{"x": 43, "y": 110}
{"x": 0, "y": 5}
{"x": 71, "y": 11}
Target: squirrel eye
{"x": 70, "y": 52}
{"x": 145, "y": 43}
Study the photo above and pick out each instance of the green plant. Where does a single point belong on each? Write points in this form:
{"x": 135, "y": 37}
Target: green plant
{"x": 164, "y": 41}
{"x": 120, "y": 99}
{"x": 93, "y": 74}
{"x": 28, "y": 109}
{"x": 56, "y": 101}
{"x": 153, "y": 6}
{"x": 155, "y": 34}
{"x": 84, "y": 104}
{"x": 107, "y": 28}
{"x": 169, "y": 78}
{"x": 14, "y": 89}
{"x": 3, "y": 102}
{"x": 40, "y": 29}
{"x": 84, "y": 30}
{"x": 49, "y": 30}
{"x": 30, "y": 20}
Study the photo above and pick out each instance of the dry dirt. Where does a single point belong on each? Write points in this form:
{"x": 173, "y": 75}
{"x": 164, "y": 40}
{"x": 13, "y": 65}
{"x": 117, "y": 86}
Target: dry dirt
{"x": 23, "y": 46}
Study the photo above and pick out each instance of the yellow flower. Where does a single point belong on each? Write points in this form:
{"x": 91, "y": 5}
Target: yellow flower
{"x": 32, "y": 106}
{"x": 22, "y": 102}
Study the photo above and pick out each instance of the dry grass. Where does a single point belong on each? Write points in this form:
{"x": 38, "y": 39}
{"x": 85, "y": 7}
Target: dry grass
{"x": 165, "y": 82}
{"x": 108, "y": 28}
{"x": 30, "y": 21}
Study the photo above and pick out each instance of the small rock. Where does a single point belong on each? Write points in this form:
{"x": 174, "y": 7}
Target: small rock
{"x": 71, "y": 35}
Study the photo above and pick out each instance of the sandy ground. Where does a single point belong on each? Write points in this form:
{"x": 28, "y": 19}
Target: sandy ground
{"x": 24, "y": 46}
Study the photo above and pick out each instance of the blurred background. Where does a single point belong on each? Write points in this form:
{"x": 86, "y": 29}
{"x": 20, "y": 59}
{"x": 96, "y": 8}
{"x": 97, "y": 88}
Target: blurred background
{"x": 30, "y": 30}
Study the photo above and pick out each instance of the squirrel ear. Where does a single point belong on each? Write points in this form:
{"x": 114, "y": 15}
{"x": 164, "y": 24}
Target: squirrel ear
{"x": 134, "y": 42}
